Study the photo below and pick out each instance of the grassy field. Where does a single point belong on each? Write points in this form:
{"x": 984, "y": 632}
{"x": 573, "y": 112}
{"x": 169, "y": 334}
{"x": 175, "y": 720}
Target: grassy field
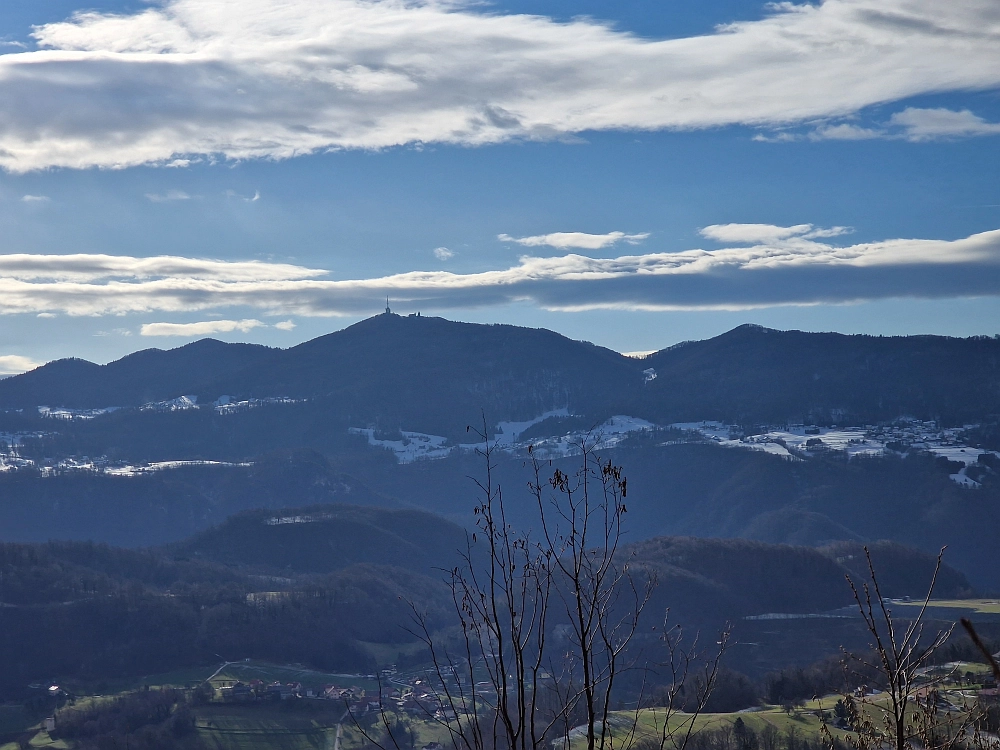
{"x": 974, "y": 606}
{"x": 248, "y": 728}
{"x": 180, "y": 678}
{"x": 312, "y": 724}
{"x": 310, "y": 678}
{"x": 803, "y": 721}
{"x": 275, "y": 726}
{"x": 243, "y": 671}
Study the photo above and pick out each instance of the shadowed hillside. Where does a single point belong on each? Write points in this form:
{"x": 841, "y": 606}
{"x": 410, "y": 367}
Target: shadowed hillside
{"x": 325, "y": 538}
{"x": 754, "y": 374}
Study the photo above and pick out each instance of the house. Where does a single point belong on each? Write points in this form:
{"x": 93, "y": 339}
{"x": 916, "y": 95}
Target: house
{"x": 237, "y": 693}
{"x": 283, "y": 692}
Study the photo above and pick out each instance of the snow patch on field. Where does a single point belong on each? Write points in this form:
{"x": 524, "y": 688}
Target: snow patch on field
{"x": 509, "y": 432}
{"x": 729, "y": 436}
{"x": 133, "y": 471}
{"x": 416, "y": 446}
{"x": 412, "y": 446}
{"x": 70, "y": 414}
{"x": 803, "y": 441}
{"x": 606, "y": 435}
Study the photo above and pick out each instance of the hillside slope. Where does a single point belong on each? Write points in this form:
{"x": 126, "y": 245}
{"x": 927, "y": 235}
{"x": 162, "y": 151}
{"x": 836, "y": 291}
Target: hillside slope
{"x": 141, "y": 377}
{"x": 434, "y": 375}
{"x": 325, "y": 538}
{"x": 755, "y": 374}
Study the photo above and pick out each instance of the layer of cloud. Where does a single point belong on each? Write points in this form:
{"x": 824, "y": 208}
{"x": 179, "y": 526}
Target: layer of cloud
{"x": 14, "y": 364}
{"x": 443, "y": 253}
{"x": 83, "y": 267}
{"x": 763, "y": 266}
{"x": 582, "y": 240}
{"x": 744, "y": 234}
{"x": 932, "y": 124}
{"x": 914, "y": 124}
{"x": 35, "y": 199}
{"x": 254, "y": 78}
{"x": 203, "y": 328}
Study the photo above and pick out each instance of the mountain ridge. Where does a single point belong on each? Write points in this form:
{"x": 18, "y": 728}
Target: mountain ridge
{"x": 395, "y": 372}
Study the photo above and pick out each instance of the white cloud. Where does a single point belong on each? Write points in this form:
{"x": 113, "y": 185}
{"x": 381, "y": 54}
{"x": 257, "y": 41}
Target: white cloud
{"x": 764, "y": 266}
{"x": 285, "y": 325}
{"x": 443, "y": 253}
{"x": 254, "y": 78}
{"x": 564, "y": 240}
{"x": 912, "y": 124}
{"x": 170, "y": 195}
{"x": 14, "y": 364}
{"x": 931, "y": 124}
{"x": 35, "y": 199}
{"x": 204, "y": 328}
{"x": 93, "y": 267}
{"x": 751, "y": 232}
{"x": 756, "y": 233}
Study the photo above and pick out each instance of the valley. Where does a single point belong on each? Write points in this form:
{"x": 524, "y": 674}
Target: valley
{"x": 291, "y": 512}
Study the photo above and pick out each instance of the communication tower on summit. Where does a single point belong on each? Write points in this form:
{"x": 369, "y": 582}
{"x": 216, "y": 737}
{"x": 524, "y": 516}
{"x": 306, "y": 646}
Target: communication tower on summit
{"x": 387, "y": 310}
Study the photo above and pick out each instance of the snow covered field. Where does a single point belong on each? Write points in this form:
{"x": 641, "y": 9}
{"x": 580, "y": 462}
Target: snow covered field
{"x": 798, "y": 442}
{"x": 68, "y": 414}
{"x": 420, "y": 446}
{"x": 11, "y": 461}
{"x": 225, "y": 405}
{"x": 222, "y": 405}
{"x": 412, "y": 445}
{"x": 793, "y": 442}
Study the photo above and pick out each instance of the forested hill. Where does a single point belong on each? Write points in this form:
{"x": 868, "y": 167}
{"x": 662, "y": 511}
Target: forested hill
{"x": 393, "y": 369}
{"x": 433, "y": 375}
{"x": 141, "y": 377}
{"x": 758, "y": 374}
{"x": 300, "y": 592}
{"x": 325, "y": 538}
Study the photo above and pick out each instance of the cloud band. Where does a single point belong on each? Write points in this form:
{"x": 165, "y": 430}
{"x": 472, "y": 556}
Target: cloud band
{"x": 254, "y": 78}
{"x": 792, "y": 267}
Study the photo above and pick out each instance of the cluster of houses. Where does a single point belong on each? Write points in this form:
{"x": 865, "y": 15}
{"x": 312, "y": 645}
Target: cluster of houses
{"x": 417, "y": 698}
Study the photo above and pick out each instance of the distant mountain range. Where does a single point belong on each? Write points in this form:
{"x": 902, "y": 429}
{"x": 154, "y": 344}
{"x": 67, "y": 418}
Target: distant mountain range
{"x": 433, "y": 375}
{"x": 379, "y": 383}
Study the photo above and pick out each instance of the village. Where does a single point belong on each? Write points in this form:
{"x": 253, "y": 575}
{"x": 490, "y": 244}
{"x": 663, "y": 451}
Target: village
{"x": 418, "y": 694}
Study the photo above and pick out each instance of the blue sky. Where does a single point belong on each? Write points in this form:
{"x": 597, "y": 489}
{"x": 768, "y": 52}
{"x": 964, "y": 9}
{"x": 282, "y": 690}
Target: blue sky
{"x": 632, "y": 173}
